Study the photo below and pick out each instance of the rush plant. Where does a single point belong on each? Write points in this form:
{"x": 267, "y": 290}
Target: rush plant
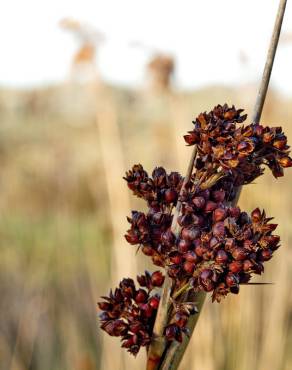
{"x": 194, "y": 231}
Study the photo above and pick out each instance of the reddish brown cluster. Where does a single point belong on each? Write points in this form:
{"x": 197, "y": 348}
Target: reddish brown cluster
{"x": 148, "y": 232}
{"x": 160, "y": 191}
{"x": 129, "y": 313}
{"x": 218, "y": 246}
{"x": 224, "y": 251}
{"x": 238, "y": 151}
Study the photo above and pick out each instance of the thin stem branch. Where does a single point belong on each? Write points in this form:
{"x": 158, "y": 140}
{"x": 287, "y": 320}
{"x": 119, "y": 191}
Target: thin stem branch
{"x": 258, "y": 108}
{"x": 176, "y": 351}
{"x": 158, "y": 343}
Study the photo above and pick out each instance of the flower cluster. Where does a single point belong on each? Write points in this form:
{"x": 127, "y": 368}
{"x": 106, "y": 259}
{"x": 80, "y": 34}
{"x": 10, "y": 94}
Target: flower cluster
{"x": 224, "y": 252}
{"x": 238, "y": 151}
{"x": 159, "y": 191}
{"x": 216, "y": 246}
{"x": 129, "y": 313}
{"x": 148, "y": 232}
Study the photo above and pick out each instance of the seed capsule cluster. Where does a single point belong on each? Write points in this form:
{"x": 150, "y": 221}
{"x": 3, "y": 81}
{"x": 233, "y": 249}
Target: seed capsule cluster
{"x": 160, "y": 191}
{"x": 218, "y": 246}
{"x": 129, "y": 313}
{"x": 224, "y": 252}
{"x": 241, "y": 151}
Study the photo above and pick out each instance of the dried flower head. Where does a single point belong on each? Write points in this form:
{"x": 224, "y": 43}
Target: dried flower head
{"x": 218, "y": 246}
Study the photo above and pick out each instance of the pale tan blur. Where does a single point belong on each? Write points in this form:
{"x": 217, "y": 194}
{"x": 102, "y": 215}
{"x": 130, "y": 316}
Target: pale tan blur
{"x": 63, "y": 203}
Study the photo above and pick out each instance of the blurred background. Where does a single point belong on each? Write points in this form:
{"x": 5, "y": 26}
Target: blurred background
{"x": 88, "y": 88}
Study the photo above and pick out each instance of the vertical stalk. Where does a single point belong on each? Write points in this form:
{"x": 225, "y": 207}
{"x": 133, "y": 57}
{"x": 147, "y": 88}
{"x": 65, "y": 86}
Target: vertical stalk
{"x": 158, "y": 343}
{"x": 175, "y": 352}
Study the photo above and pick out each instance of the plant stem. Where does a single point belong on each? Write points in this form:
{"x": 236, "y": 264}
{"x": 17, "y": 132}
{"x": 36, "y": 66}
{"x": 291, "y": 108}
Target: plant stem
{"x": 176, "y": 350}
{"x": 258, "y": 108}
{"x": 158, "y": 343}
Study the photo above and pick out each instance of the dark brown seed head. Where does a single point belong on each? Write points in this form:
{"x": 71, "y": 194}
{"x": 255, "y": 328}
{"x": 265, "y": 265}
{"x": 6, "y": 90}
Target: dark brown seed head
{"x": 210, "y": 206}
{"x": 206, "y": 274}
{"x": 175, "y": 258}
{"x": 218, "y": 229}
{"x": 184, "y": 245}
{"x": 235, "y": 266}
{"x": 189, "y": 267}
{"x": 170, "y": 196}
{"x": 266, "y": 254}
{"x": 191, "y": 256}
{"x": 256, "y": 215}
{"x": 231, "y": 280}
{"x": 285, "y": 162}
{"x": 218, "y": 196}
{"x": 247, "y": 265}
{"x": 221, "y": 256}
{"x": 154, "y": 302}
{"x": 167, "y": 238}
{"x": 190, "y": 233}
{"x": 141, "y": 296}
{"x": 219, "y": 214}
{"x": 157, "y": 279}
{"x": 199, "y": 202}
{"x": 147, "y": 250}
{"x": 239, "y": 254}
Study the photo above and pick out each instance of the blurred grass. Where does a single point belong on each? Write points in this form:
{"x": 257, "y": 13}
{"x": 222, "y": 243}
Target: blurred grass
{"x": 60, "y": 223}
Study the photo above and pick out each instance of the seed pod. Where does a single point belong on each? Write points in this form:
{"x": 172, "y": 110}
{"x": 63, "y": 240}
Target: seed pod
{"x": 167, "y": 238}
{"x": 132, "y": 237}
{"x": 191, "y": 256}
{"x": 183, "y": 220}
{"x": 157, "y": 279}
{"x": 235, "y": 266}
{"x": 210, "y": 206}
{"x": 147, "y": 250}
{"x": 221, "y": 256}
{"x": 189, "y": 267}
{"x": 285, "y": 162}
{"x": 199, "y": 202}
{"x": 219, "y": 214}
{"x": 247, "y": 265}
{"x": 158, "y": 260}
{"x": 170, "y": 196}
{"x": 173, "y": 332}
{"x": 181, "y": 319}
{"x": 268, "y": 137}
{"x": 105, "y": 306}
{"x": 239, "y": 254}
{"x": 141, "y": 296}
{"x": 214, "y": 242}
{"x": 197, "y": 220}
{"x": 184, "y": 245}
{"x": 280, "y": 143}
{"x": 218, "y": 229}
{"x": 231, "y": 280}
{"x": 190, "y": 233}
{"x": 266, "y": 254}
{"x": 175, "y": 258}
{"x": 206, "y": 274}
{"x": 234, "y": 212}
{"x": 174, "y": 271}
{"x": 256, "y": 215}
{"x": 154, "y": 302}
{"x": 218, "y": 196}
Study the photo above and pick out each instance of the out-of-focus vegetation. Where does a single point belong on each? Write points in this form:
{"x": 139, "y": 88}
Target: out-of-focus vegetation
{"x": 63, "y": 204}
